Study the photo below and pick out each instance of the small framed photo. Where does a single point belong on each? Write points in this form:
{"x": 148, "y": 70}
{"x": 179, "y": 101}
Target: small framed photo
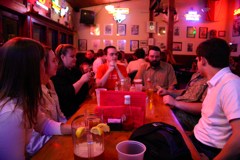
{"x": 121, "y": 29}
{"x": 176, "y": 31}
{"x": 191, "y": 32}
{"x": 82, "y": 44}
{"x": 108, "y": 29}
{"x": 234, "y": 47}
{"x": 236, "y": 27}
{"x": 107, "y": 42}
{"x": 221, "y": 33}
{"x": 203, "y": 32}
{"x": 143, "y": 43}
{"x": 190, "y": 47}
{"x": 121, "y": 45}
{"x": 134, "y": 44}
{"x": 151, "y": 27}
{"x": 177, "y": 46}
{"x": 161, "y": 31}
{"x": 135, "y": 30}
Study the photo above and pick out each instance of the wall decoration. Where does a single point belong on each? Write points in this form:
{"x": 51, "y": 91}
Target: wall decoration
{"x": 82, "y": 44}
{"x": 143, "y": 43}
{"x": 121, "y": 45}
{"x": 191, "y": 32}
{"x": 121, "y": 29}
{"x": 177, "y": 46}
{"x": 236, "y": 27}
{"x": 95, "y": 44}
{"x": 151, "y": 27}
{"x": 150, "y": 41}
{"x": 161, "y": 31}
{"x": 176, "y": 31}
{"x": 95, "y": 30}
{"x": 107, "y": 42}
{"x": 203, "y": 32}
{"x": 234, "y": 47}
{"x": 134, "y": 44}
{"x": 135, "y": 30}
{"x": 221, "y": 33}
{"x": 108, "y": 29}
{"x": 213, "y": 33}
{"x": 190, "y": 47}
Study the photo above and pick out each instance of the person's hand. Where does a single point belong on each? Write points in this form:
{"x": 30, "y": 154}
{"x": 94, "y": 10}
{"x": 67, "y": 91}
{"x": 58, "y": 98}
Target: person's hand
{"x": 169, "y": 100}
{"x": 161, "y": 91}
{"x": 111, "y": 66}
{"x": 85, "y": 77}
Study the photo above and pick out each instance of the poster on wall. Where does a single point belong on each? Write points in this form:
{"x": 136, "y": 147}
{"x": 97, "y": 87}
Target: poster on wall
{"x": 176, "y": 31}
{"x": 108, "y": 29}
{"x": 135, "y": 30}
{"x": 107, "y": 42}
{"x": 236, "y": 27}
{"x": 95, "y": 44}
{"x": 134, "y": 44}
{"x": 121, "y": 29}
{"x": 82, "y": 44}
{"x": 121, "y": 45}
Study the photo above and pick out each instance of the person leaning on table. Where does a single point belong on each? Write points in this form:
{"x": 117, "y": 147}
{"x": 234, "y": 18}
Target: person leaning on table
{"x": 49, "y": 104}
{"x": 21, "y": 62}
{"x": 217, "y": 133}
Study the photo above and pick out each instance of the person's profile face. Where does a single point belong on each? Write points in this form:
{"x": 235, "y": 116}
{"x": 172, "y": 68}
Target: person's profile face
{"x": 69, "y": 60}
{"x": 111, "y": 55}
{"x": 51, "y": 69}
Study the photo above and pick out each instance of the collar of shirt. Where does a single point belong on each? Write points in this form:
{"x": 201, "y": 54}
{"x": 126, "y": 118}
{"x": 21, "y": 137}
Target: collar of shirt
{"x": 217, "y": 77}
{"x": 149, "y": 66}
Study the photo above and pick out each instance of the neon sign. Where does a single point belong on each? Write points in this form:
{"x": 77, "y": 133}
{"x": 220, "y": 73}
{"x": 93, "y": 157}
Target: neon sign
{"x": 41, "y": 3}
{"x": 236, "y": 12}
{"x": 192, "y": 16}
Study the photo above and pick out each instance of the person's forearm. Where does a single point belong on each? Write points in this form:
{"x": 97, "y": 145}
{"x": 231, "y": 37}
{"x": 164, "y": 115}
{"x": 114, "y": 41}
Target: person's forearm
{"x": 66, "y": 128}
{"x": 190, "y": 107}
{"x": 101, "y": 82}
{"x": 174, "y": 93}
{"x": 78, "y": 85}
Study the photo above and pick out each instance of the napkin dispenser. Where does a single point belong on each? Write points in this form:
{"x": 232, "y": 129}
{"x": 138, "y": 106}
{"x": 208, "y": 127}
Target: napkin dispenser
{"x": 112, "y": 108}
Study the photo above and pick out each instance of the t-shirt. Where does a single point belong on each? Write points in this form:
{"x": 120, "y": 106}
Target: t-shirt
{"x": 113, "y": 76}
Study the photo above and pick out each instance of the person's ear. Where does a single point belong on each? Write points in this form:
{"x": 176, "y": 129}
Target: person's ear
{"x": 62, "y": 57}
{"x": 204, "y": 61}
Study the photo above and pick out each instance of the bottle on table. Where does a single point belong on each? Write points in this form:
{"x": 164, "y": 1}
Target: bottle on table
{"x": 127, "y": 118}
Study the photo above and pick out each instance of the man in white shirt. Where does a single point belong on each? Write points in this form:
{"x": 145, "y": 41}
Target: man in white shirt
{"x": 217, "y": 133}
{"x": 134, "y": 65}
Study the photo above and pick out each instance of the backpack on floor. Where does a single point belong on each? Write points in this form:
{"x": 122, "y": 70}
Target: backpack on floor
{"x": 163, "y": 142}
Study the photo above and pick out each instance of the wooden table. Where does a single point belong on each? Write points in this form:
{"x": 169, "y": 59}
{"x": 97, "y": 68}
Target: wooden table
{"x": 61, "y": 147}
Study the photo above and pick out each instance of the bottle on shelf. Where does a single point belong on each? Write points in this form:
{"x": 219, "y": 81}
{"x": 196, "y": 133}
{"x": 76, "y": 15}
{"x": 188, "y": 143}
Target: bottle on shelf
{"x": 127, "y": 118}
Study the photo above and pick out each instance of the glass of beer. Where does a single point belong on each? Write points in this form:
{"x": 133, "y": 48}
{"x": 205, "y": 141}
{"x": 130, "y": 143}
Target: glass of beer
{"x": 88, "y": 141}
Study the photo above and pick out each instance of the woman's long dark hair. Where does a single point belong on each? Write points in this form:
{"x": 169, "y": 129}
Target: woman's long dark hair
{"x": 20, "y": 75}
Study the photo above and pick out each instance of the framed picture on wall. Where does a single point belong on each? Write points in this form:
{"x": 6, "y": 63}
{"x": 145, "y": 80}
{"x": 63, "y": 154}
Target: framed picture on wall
{"x": 221, "y": 33}
{"x": 191, "y": 32}
{"x": 203, "y": 32}
{"x": 82, "y": 44}
{"x": 176, "y": 31}
{"x": 108, "y": 29}
{"x": 236, "y": 27}
{"x": 121, "y": 29}
{"x": 190, "y": 47}
{"x": 143, "y": 43}
{"x": 135, "y": 30}
{"x": 161, "y": 31}
{"x": 177, "y": 46}
{"x": 121, "y": 45}
{"x": 107, "y": 42}
{"x": 134, "y": 44}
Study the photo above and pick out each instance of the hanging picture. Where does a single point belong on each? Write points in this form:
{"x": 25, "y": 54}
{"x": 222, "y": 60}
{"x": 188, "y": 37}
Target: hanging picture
{"x": 108, "y": 29}
{"x": 134, "y": 44}
{"x": 177, "y": 46}
{"x": 95, "y": 44}
{"x": 203, "y": 31}
{"x": 135, "y": 30}
{"x": 176, "y": 31}
{"x": 121, "y": 45}
{"x": 82, "y": 44}
{"x": 121, "y": 29}
{"x": 95, "y": 30}
{"x": 221, "y": 33}
{"x": 143, "y": 43}
{"x": 151, "y": 27}
{"x": 236, "y": 27}
{"x": 161, "y": 31}
{"x": 107, "y": 42}
{"x": 190, "y": 47}
{"x": 191, "y": 31}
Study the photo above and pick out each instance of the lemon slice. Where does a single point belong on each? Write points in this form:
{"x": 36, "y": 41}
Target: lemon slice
{"x": 80, "y": 131}
{"x": 104, "y": 127}
{"x": 96, "y": 130}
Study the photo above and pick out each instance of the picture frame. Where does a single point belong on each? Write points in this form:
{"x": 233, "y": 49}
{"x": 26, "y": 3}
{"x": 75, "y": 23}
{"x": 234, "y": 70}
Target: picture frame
{"x": 151, "y": 27}
{"x": 236, "y": 27}
{"x": 234, "y": 47}
{"x": 221, "y": 33}
{"x": 82, "y": 44}
{"x": 203, "y": 32}
{"x": 108, "y": 29}
{"x": 191, "y": 32}
{"x": 121, "y": 45}
{"x": 161, "y": 31}
{"x": 177, "y": 46}
{"x": 134, "y": 44}
{"x": 176, "y": 31}
{"x": 189, "y": 47}
{"x": 134, "y": 29}
{"x": 143, "y": 43}
{"x": 107, "y": 42}
{"x": 121, "y": 29}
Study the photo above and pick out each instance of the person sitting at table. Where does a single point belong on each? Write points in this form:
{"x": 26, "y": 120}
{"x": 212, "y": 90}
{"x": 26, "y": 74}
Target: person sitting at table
{"x": 187, "y": 103}
{"x": 21, "y": 62}
{"x": 157, "y": 72}
{"x": 50, "y": 105}
{"x": 217, "y": 132}
{"x": 111, "y": 72}
{"x": 70, "y": 84}
{"x": 101, "y": 59}
{"x": 133, "y": 66}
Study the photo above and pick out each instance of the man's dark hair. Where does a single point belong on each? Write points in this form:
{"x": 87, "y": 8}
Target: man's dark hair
{"x": 216, "y": 51}
{"x": 106, "y": 49}
{"x": 139, "y": 53}
{"x": 155, "y": 48}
